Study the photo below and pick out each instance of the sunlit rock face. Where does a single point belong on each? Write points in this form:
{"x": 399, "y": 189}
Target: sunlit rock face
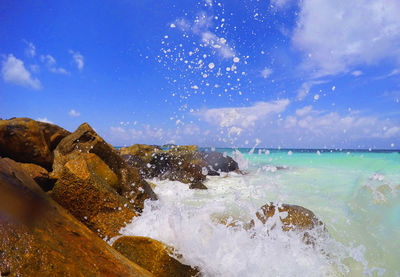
{"x": 153, "y": 256}
{"x": 38, "y": 237}
{"x": 29, "y": 141}
{"x": 95, "y": 184}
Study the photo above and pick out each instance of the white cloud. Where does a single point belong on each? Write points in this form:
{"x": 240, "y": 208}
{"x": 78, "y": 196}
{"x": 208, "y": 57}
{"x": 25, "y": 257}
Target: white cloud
{"x": 74, "y": 113}
{"x": 280, "y": 3}
{"x": 305, "y": 88}
{"x": 266, "y": 72}
{"x": 356, "y": 73}
{"x": 14, "y": 71}
{"x": 304, "y": 111}
{"x": 44, "y": 119}
{"x": 350, "y": 126}
{"x": 30, "y": 50}
{"x": 50, "y": 62}
{"x": 201, "y": 27}
{"x": 336, "y": 36}
{"x": 243, "y": 117}
{"x": 78, "y": 59}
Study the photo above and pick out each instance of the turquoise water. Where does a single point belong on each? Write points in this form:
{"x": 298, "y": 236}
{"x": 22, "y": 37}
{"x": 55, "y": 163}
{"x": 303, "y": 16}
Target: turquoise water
{"x": 355, "y": 193}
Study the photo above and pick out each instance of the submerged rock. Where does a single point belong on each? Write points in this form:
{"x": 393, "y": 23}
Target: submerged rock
{"x": 95, "y": 184}
{"x": 153, "y": 256}
{"x": 29, "y": 141}
{"x": 40, "y": 238}
{"x": 217, "y": 161}
{"x": 293, "y": 218}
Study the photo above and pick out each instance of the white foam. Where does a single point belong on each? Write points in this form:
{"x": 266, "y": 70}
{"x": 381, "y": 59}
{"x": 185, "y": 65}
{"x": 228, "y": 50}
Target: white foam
{"x": 189, "y": 220}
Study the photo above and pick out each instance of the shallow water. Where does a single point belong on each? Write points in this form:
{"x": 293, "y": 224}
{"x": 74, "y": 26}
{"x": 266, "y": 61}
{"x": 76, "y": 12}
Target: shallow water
{"x": 355, "y": 193}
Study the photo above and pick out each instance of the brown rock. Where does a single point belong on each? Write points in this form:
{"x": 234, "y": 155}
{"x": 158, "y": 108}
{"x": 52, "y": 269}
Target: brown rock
{"x": 298, "y": 218}
{"x": 85, "y": 140}
{"x": 85, "y": 189}
{"x": 294, "y": 218}
{"x": 39, "y": 238}
{"x": 153, "y": 256}
{"x": 29, "y": 141}
{"x": 143, "y": 151}
{"x": 40, "y": 175}
{"x": 181, "y": 163}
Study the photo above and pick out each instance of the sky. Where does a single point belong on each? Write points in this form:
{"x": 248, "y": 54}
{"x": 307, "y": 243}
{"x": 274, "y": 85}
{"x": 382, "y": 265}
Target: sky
{"x": 266, "y": 73}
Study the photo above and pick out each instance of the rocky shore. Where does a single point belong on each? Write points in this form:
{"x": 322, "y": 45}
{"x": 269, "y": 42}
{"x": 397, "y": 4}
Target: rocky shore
{"x": 64, "y": 195}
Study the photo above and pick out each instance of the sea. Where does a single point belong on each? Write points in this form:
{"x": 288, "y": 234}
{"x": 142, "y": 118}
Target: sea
{"x": 355, "y": 193}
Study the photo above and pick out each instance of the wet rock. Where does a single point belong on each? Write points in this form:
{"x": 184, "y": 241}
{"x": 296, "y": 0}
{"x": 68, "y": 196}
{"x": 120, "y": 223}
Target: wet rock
{"x": 129, "y": 183}
{"x": 143, "y": 151}
{"x": 95, "y": 184}
{"x": 294, "y": 218}
{"x": 40, "y": 175}
{"x": 217, "y": 161}
{"x": 153, "y": 256}
{"x": 40, "y": 238}
{"x": 29, "y": 141}
{"x": 181, "y": 163}
{"x": 137, "y": 162}
{"x": 198, "y": 185}
{"x": 85, "y": 189}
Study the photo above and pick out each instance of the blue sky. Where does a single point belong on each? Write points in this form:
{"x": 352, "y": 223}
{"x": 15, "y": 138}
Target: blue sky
{"x": 273, "y": 73}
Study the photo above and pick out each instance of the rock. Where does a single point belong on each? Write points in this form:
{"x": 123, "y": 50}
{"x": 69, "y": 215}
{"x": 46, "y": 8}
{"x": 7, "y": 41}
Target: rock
{"x": 137, "y": 162}
{"x": 29, "y": 141}
{"x": 182, "y": 164}
{"x": 85, "y": 140}
{"x": 95, "y": 184}
{"x": 143, "y": 151}
{"x": 40, "y": 238}
{"x": 40, "y": 175}
{"x": 153, "y": 256}
{"x": 85, "y": 189}
{"x": 217, "y": 161}
{"x": 294, "y": 218}
{"x": 198, "y": 185}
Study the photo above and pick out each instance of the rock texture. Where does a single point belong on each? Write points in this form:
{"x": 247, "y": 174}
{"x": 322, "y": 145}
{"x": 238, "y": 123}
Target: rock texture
{"x": 218, "y": 162}
{"x": 153, "y": 256}
{"x": 95, "y": 184}
{"x": 143, "y": 151}
{"x": 29, "y": 141}
{"x": 39, "y": 238}
{"x": 293, "y": 217}
{"x": 40, "y": 175}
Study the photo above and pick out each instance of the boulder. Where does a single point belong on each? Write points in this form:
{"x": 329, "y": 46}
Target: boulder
{"x": 29, "y": 141}
{"x": 219, "y": 162}
{"x": 129, "y": 183}
{"x": 95, "y": 184}
{"x": 181, "y": 163}
{"x": 153, "y": 256}
{"x": 294, "y": 218}
{"x": 85, "y": 189}
{"x": 39, "y": 175}
{"x": 40, "y": 238}
{"x": 143, "y": 151}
